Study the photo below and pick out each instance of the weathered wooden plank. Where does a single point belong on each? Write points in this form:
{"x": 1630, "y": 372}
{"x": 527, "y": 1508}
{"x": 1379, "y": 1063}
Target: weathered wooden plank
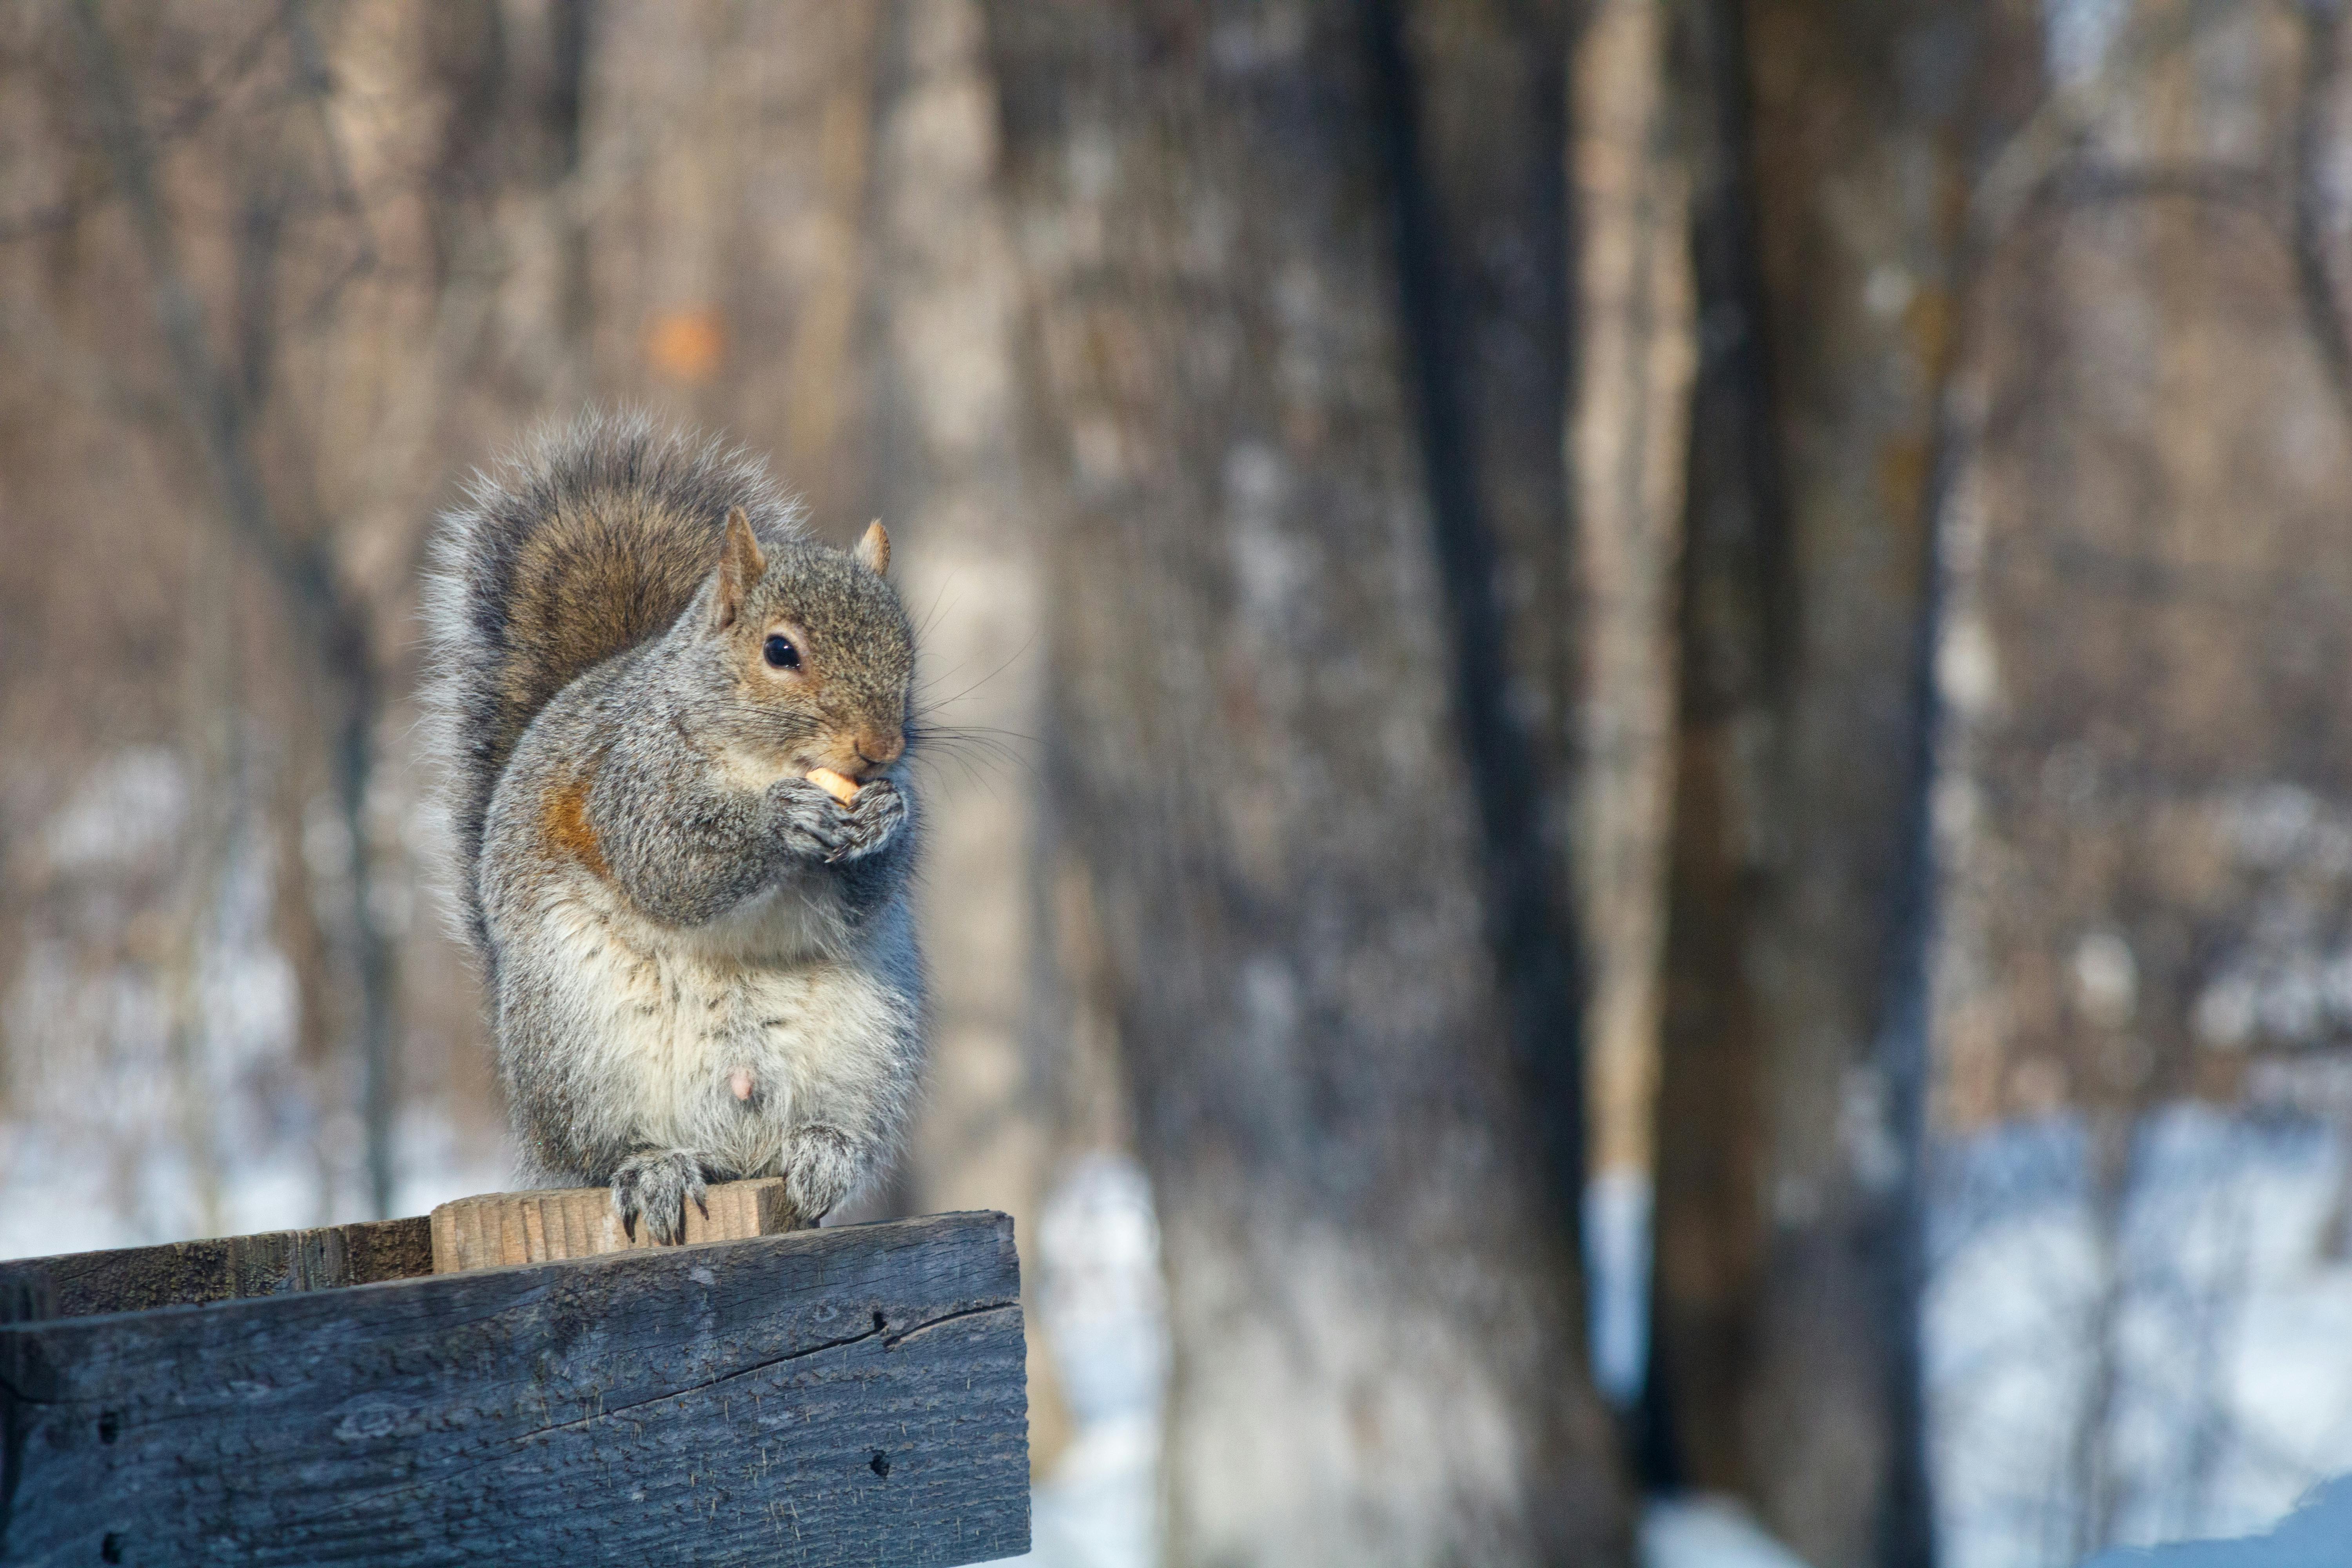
{"x": 186, "y": 1273}
{"x": 840, "y": 1396}
{"x": 553, "y": 1223}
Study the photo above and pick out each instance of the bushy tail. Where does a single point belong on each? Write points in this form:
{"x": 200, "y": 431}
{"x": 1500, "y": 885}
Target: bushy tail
{"x": 585, "y": 543}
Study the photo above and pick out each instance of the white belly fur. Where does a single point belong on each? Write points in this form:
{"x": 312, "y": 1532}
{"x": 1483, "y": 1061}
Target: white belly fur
{"x": 658, "y": 1019}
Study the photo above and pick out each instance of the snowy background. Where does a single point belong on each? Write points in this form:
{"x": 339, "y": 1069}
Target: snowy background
{"x": 2179, "y": 1368}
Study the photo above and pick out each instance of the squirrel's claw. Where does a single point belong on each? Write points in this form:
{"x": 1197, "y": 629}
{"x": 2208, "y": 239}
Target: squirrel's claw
{"x": 872, "y": 819}
{"x": 656, "y": 1186}
{"x": 812, "y": 821}
{"x": 820, "y": 826}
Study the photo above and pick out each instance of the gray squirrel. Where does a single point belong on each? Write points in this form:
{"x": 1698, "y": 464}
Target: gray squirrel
{"x": 700, "y": 964}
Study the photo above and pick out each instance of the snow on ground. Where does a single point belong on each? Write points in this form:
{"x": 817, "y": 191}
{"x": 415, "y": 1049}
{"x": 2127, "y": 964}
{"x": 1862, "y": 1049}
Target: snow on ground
{"x": 2174, "y": 1363}
{"x": 1099, "y": 1295}
{"x": 1617, "y": 1281}
{"x": 1703, "y": 1532}
{"x": 2183, "y": 1370}
{"x": 2318, "y": 1534}
{"x": 156, "y": 1095}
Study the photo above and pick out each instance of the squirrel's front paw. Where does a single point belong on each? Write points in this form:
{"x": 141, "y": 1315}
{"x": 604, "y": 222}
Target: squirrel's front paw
{"x": 813, "y": 824}
{"x": 655, "y": 1187}
{"x": 874, "y": 817}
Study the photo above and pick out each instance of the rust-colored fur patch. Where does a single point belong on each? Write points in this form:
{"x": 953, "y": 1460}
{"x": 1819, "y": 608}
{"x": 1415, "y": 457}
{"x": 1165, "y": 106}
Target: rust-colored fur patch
{"x": 563, "y": 820}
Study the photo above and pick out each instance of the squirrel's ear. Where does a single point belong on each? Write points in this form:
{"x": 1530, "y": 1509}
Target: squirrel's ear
{"x": 741, "y": 564}
{"x": 874, "y": 548}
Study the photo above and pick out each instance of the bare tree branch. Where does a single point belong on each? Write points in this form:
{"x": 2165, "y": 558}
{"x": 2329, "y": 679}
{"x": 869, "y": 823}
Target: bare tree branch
{"x": 2331, "y": 332}
{"x": 209, "y": 405}
{"x": 220, "y": 419}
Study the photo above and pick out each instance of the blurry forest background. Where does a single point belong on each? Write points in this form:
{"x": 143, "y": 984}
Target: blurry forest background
{"x": 1723, "y": 621}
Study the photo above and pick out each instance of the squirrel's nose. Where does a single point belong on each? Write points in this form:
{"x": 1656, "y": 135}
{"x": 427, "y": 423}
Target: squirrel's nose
{"x": 879, "y": 749}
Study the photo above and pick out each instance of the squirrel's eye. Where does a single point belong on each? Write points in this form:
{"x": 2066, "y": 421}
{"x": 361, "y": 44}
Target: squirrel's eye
{"x": 781, "y": 653}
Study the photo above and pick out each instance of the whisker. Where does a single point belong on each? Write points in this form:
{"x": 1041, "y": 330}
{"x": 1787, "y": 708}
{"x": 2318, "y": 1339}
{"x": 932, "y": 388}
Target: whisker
{"x": 976, "y": 748}
{"x": 984, "y": 680}
{"x": 931, "y": 616}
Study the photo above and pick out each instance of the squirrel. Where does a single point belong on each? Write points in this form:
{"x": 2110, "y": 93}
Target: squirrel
{"x": 700, "y": 965}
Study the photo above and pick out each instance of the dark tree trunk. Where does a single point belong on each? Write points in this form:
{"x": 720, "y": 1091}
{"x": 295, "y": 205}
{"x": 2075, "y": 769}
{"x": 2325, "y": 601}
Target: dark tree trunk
{"x": 1473, "y": 130}
{"x": 1262, "y": 764}
{"x": 1733, "y": 622}
{"x": 1836, "y": 160}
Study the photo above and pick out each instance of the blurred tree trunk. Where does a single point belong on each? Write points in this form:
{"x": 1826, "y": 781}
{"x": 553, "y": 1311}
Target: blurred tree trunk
{"x": 2011, "y": 325}
{"x": 948, "y": 482}
{"x": 1473, "y": 129}
{"x": 1834, "y": 147}
{"x": 1264, "y": 774}
{"x": 730, "y": 168}
{"x": 1732, "y": 622}
{"x": 1627, "y": 437}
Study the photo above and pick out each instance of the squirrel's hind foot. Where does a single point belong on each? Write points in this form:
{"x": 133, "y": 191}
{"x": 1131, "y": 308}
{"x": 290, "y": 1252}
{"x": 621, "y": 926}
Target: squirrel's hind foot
{"x": 822, "y": 1164}
{"x": 653, "y": 1186}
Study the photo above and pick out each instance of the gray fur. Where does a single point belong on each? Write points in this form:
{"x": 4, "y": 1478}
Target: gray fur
{"x": 665, "y": 906}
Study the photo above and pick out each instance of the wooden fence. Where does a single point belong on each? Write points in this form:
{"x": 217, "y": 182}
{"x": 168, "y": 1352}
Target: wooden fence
{"x": 844, "y": 1397}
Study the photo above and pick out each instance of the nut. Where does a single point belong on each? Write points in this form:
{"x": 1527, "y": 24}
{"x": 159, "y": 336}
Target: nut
{"x": 841, "y": 786}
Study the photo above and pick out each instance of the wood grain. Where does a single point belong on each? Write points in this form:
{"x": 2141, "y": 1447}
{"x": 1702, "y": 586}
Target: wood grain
{"x": 555, "y": 1223}
{"x": 187, "y": 1273}
{"x": 851, "y": 1395}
